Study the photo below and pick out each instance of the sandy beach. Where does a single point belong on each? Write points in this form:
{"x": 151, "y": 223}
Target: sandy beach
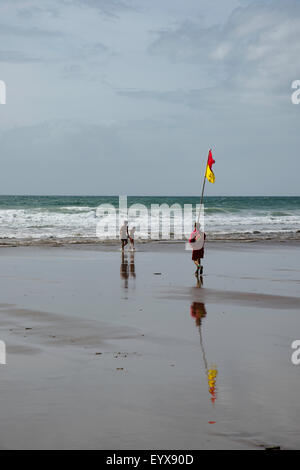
{"x": 105, "y": 353}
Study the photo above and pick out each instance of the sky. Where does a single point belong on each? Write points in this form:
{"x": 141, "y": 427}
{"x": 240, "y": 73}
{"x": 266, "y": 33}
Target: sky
{"x": 109, "y": 97}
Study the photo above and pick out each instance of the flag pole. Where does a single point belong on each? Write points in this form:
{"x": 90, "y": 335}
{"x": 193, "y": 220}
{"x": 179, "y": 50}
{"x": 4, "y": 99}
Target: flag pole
{"x": 202, "y": 194}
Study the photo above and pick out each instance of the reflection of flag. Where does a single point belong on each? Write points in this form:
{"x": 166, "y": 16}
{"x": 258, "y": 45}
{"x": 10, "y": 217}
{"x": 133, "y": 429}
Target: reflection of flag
{"x": 209, "y": 173}
{"x": 198, "y": 311}
{"x": 211, "y": 379}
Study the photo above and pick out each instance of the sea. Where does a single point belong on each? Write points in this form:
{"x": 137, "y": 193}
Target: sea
{"x": 74, "y": 219}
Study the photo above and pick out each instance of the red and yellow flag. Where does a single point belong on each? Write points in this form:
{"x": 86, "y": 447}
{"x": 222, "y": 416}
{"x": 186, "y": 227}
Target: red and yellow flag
{"x": 209, "y": 173}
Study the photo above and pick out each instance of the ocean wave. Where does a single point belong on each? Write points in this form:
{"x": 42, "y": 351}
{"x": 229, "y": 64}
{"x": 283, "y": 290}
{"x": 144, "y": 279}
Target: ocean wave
{"x": 74, "y": 221}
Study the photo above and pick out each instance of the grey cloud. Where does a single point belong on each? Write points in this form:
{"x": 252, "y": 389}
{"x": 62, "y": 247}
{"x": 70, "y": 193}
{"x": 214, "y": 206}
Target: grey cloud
{"x": 87, "y": 51}
{"x": 74, "y": 71}
{"x": 17, "y": 57}
{"x": 189, "y": 42}
{"x": 34, "y": 11}
{"x": 256, "y": 48}
{"x": 198, "y": 85}
{"x": 69, "y": 153}
{"x": 70, "y": 157}
{"x": 176, "y": 96}
{"x": 82, "y": 58}
{"x": 33, "y": 32}
{"x": 199, "y": 99}
{"x": 93, "y": 50}
{"x": 76, "y": 157}
{"x": 98, "y": 48}
{"x": 107, "y": 7}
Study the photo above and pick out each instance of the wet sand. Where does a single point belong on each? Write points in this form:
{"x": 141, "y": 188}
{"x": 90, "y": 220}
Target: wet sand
{"x": 134, "y": 353}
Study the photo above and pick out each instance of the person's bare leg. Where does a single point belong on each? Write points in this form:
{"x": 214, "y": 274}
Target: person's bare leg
{"x": 199, "y": 266}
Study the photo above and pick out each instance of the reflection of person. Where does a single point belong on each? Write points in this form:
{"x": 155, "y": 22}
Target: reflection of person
{"x": 124, "y": 270}
{"x": 131, "y": 238}
{"x": 198, "y": 312}
{"x": 132, "y": 265}
{"x": 124, "y": 234}
{"x": 127, "y": 269}
{"x": 197, "y": 240}
{"x": 199, "y": 281}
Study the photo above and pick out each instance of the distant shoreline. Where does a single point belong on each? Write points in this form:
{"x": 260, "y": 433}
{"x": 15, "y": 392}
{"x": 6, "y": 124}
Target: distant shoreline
{"x": 146, "y": 244}
{"x": 152, "y": 196}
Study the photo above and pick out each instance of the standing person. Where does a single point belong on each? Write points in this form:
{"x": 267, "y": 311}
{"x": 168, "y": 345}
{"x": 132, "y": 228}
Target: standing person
{"x": 197, "y": 240}
{"x": 131, "y": 238}
{"x": 124, "y": 234}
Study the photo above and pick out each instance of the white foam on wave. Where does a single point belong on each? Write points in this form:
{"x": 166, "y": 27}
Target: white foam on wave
{"x": 81, "y": 221}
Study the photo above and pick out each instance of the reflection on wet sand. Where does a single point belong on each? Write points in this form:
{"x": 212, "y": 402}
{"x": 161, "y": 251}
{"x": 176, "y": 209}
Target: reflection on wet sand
{"x": 127, "y": 269}
{"x": 132, "y": 265}
{"x": 198, "y": 312}
{"x": 199, "y": 280}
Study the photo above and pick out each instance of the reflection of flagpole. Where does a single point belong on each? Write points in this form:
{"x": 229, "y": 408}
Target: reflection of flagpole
{"x": 211, "y": 374}
{"x": 202, "y": 348}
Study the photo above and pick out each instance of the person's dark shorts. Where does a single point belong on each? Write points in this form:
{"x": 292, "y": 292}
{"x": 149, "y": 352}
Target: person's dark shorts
{"x": 197, "y": 254}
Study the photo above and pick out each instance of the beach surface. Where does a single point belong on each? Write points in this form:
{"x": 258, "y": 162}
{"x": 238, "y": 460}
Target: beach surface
{"x": 133, "y": 352}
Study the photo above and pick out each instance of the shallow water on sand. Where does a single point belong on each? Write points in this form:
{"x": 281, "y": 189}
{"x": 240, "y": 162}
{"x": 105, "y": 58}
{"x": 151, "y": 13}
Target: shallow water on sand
{"x": 204, "y": 366}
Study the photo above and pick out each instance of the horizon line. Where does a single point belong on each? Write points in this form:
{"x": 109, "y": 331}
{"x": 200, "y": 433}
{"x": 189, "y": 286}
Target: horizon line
{"x": 142, "y": 195}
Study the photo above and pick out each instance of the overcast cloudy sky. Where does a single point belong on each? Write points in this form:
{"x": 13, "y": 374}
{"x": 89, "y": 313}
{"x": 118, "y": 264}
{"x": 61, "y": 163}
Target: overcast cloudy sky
{"x": 126, "y": 97}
